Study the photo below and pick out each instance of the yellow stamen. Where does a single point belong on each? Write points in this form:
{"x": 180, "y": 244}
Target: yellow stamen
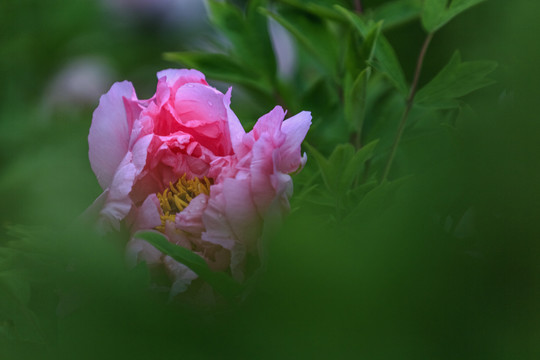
{"x": 176, "y": 197}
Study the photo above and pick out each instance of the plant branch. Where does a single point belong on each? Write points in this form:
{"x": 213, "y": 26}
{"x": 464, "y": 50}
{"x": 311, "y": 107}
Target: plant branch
{"x": 408, "y": 106}
{"x": 358, "y": 6}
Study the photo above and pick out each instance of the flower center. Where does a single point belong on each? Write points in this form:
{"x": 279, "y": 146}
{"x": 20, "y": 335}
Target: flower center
{"x": 177, "y": 197}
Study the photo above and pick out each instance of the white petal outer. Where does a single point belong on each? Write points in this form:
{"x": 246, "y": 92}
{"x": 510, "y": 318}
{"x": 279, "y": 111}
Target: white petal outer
{"x": 238, "y": 255}
{"x": 182, "y": 275}
{"x": 141, "y": 250}
{"x": 118, "y": 203}
{"x": 296, "y": 129}
{"x": 90, "y": 216}
{"x": 110, "y": 131}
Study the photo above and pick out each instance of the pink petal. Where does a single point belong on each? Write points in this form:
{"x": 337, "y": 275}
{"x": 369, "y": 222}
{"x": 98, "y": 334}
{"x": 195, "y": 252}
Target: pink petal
{"x": 181, "y": 274}
{"x": 190, "y": 219}
{"x": 139, "y": 250}
{"x": 296, "y": 129}
{"x": 110, "y": 131}
{"x": 178, "y": 77}
{"x": 262, "y": 166}
{"x": 241, "y": 212}
{"x": 236, "y": 130}
{"x": 118, "y": 203}
{"x": 238, "y": 257}
{"x": 217, "y": 229}
{"x": 201, "y": 112}
{"x": 270, "y": 124}
{"x": 147, "y": 216}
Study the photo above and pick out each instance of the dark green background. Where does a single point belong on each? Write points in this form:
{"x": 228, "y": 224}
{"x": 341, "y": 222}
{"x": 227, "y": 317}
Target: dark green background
{"x": 448, "y": 268}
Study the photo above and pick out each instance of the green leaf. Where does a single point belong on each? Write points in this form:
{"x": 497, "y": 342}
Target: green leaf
{"x": 220, "y": 281}
{"x": 385, "y": 59}
{"x": 432, "y": 14}
{"x": 455, "y": 80}
{"x": 356, "y": 164}
{"x": 395, "y": 13}
{"x": 355, "y": 99}
{"x": 220, "y": 67}
{"x": 355, "y": 92}
{"x": 436, "y": 13}
{"x": 374, "y": 202}
{"x": 324, "y": 166}
{"x": 343, "y": 165}
{"x": 313, "y": 35}
{"x": 370, "y": 42}
{"x": 248, "y": 34}
{"x": 315, "y": 9}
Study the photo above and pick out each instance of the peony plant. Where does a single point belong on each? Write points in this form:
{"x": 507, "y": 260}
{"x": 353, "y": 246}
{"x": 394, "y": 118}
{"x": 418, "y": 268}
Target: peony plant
{"x": 181, "y": 164}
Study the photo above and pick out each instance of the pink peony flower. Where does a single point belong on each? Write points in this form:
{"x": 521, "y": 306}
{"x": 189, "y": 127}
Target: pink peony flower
{"x": 182, "y": 164}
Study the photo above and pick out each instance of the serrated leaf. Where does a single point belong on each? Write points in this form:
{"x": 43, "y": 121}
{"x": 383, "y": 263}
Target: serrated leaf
{"x": 436, "y": 13}
{"x": 395, "y": 13}
{"x": 455, "y": 80}
{"x": 385, "y": 59}
{"x": 220, "y": 281}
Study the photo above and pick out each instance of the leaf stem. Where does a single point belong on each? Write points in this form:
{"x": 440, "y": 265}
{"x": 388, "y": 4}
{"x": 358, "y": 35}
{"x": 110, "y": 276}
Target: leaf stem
{"x": 408, "y": 106}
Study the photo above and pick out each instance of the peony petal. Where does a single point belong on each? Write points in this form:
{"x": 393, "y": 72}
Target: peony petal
{"x": 118, "y": 203}
{"x": 181, "y": 274}
{"x": 201, "y": 112}
{"x": 140, "y": 152}
{"x": 238, "y": 257}
{"x": 261, "y": 167}
{"x": 91, "y": 214}
{"x": 139, "y": 250}
{"x": 296, "y": 129}
{"x": 147, "y": 216}
{"x": 236, "y": 130}
{"x": 178, "y": 77}
{"x": 110, "y": 131}
{"x": 270, "y": 124}
{"x": 218, "y": 231}
{"x": 241, "y": 212}
{"x": 190, "y": 219}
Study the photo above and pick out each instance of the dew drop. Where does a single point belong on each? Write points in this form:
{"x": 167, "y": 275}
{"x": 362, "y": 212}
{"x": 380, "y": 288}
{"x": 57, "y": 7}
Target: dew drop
{"x": 210, "y": 103}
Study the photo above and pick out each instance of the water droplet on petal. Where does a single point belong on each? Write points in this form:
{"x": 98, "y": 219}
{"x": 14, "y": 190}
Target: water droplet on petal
{"x": 210, "y": 103}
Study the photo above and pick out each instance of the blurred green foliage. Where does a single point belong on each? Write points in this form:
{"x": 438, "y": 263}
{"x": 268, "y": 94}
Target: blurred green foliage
{"x": 440, "y": 261}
